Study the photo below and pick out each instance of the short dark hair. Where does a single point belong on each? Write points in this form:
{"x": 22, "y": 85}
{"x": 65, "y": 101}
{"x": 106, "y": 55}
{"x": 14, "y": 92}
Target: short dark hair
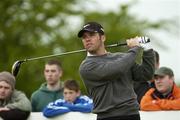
{"x": 54, "y": 62}
{"x": 156, "y": 56}
{"x": 71, "y": 85}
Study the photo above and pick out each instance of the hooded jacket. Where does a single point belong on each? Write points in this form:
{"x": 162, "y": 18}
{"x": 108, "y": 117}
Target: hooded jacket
{"x": 43, "y": 96}
{"x": 154, "y": 101}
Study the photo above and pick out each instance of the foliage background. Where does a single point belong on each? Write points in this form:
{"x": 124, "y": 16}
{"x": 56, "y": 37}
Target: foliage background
{"x": 32, "y": 28}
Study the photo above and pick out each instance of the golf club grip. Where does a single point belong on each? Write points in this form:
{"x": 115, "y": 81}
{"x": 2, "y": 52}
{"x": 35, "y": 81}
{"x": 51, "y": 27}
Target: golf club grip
{"x": 142, "y": 40}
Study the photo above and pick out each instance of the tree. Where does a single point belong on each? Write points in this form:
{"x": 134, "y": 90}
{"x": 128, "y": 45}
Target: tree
{"x": 31, "y": 28}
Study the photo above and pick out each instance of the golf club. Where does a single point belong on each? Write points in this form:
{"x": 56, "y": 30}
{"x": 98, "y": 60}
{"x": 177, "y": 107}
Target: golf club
{"x": 17, "y": 64}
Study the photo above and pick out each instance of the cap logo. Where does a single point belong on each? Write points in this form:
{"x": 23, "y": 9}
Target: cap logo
{"x": 102, "y": 29}
{"x": 86, "y": 25}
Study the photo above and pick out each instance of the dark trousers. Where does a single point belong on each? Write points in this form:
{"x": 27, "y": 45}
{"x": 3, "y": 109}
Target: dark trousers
{"x": 129, "y": 117}
{"x": 14, "y": 114}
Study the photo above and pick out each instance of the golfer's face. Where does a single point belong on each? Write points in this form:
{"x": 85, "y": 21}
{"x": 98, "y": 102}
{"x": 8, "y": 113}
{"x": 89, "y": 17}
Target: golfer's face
{"x": 92, "y": 41}
{"x": 5, "y": 90}
{"x": 52, "y": 74}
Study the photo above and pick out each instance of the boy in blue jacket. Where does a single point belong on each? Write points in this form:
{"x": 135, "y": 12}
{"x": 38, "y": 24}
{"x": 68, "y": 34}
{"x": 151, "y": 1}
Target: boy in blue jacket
{"x": 72, "y": 101}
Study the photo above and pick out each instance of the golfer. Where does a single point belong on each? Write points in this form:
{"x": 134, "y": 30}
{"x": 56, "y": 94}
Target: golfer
{"x": 109, "y": 77}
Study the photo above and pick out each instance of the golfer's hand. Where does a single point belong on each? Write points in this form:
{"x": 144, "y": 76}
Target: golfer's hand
{"x": 133, "y": 42}
{"x": 4, "y": 109}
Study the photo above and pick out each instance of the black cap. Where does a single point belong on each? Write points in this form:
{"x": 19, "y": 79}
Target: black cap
{"x": 91, "y": 27}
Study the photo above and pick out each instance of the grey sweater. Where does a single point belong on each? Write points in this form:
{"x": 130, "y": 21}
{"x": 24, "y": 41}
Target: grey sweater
{"x": 18, "y": 100}
{"x": 109, "y": 80}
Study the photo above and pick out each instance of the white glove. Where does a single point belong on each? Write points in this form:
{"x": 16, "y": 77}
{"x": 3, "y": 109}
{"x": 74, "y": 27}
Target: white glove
{"x": 144, "y": 44}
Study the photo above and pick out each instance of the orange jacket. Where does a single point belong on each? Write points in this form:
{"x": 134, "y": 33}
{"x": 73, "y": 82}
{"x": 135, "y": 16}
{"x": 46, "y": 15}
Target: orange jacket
{"x": 151, "y": 102}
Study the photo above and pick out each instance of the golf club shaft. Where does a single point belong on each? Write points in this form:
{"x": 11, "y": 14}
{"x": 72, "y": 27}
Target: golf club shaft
{"x": 54, "y": 55}
{"x": 143, "y": 40}
{"x": 17, "y": 64}
{"x": 70, "y": 52}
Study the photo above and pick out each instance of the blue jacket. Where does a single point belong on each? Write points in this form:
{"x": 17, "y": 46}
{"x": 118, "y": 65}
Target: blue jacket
{"x": 60, "y": 106}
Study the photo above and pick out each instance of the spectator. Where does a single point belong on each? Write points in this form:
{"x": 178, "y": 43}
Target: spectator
{"x": 51, "y": 90}
{"x": 72, "y": 101}
{"x": 109, "y": 77}
{"x": 141, "y": 87}
{"x": 14, "y": 105}
{"x": 165, "y": 95}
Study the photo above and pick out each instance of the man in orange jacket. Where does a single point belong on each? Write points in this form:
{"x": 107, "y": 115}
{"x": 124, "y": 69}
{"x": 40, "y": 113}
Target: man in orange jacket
{"x": 165, "y": 95}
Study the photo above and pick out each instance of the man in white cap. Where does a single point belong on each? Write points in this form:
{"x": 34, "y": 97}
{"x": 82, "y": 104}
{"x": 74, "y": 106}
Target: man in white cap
{"x": 14, "y": 105}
